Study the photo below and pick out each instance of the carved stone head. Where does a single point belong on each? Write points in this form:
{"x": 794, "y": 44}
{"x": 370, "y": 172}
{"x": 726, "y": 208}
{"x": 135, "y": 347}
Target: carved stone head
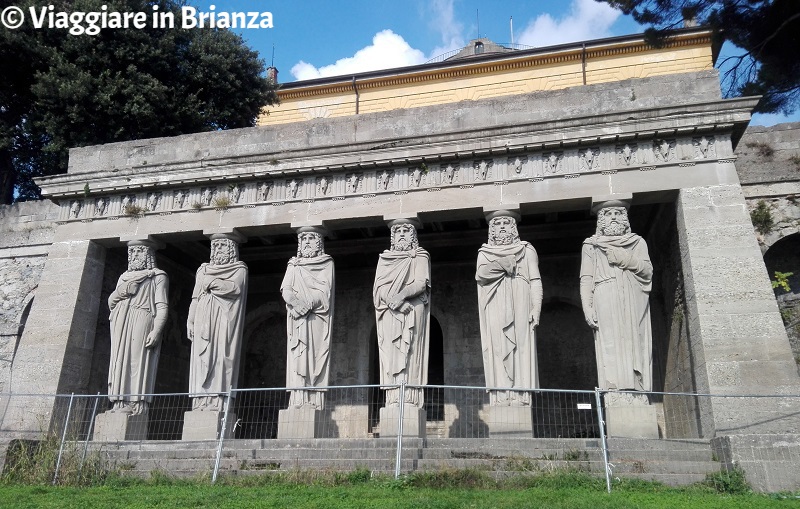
{"x": 404, "y": 237}
{"x": 141, "y": 256}
{"x": 503, "y": 231}
{"x": 310, "y": 244}
{"x": 613, "y": 221}
{"x": 224, "y": 251}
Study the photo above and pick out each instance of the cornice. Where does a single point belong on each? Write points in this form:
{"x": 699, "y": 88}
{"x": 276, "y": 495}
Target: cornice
{"x": 723, "y": 116}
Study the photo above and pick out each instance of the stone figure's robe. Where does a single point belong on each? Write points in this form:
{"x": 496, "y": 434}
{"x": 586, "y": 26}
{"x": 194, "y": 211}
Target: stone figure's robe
{"x": 133, "y": 305}
{"x": 403, "y": 337}
{"x": 217, "y": 324}
{"x": 505, "y": 305}
{"x": 620, "y": 300}
{"x": 309, "y": 336}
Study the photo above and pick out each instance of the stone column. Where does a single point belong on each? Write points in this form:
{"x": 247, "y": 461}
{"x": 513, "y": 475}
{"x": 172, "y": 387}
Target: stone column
{"x": 55, "y": 351}
{"x": 736, "y": 335}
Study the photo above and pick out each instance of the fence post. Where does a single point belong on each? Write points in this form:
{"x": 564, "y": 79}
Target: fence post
{"x": 400, "y": 431}
{"x": 89, "y": 432}
{"x": 222, "y": 436}
{"x": 602, "y": 422}
{"x": 63, "y": 439}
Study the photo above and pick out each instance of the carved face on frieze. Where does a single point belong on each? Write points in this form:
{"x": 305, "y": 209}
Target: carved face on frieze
{"x": 309, "y": 245}
{"x": 503, "y": 231}
{"x": 224, "y": 251}
{"x": 404, "y": 237}
{"x": 141, "y": 258}
{"x": 613, "y": 222}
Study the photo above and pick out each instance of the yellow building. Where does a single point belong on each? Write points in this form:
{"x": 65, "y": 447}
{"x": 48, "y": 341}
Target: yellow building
{"x": 484, "y": 69}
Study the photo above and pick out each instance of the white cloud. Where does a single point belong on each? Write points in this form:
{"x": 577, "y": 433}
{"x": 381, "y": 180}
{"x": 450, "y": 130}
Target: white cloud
{"x": 389, "y": 49}
{"x": 386, "y": 51}
{"x": 444, "y": 21}
{"x": 587, "y": 19}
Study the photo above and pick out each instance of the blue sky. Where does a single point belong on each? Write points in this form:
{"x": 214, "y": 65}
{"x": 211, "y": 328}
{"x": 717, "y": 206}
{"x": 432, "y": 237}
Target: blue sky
{"x": 314, "y": 38}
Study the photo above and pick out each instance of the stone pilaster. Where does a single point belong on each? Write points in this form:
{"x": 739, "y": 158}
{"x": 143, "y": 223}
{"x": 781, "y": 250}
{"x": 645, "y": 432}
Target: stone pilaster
{"x": 737, "y": 340}
{"x": 55, "y": 352}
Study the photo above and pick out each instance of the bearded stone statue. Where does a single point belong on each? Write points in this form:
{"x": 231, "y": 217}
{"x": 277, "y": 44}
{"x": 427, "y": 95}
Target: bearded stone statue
{"x": 509, "y": 305}
{"x": 138, "y": 307}
{"x": 308, "y": 289}
{"x": 616, "y": 277}
{"x": 216, "y": 320}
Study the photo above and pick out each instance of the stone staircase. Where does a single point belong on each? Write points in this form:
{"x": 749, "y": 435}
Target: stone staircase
{"x": 674, "y": 462}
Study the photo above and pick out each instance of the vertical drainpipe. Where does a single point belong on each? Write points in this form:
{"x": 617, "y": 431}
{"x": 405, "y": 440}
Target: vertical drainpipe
{"x": 355, "y": 89}
{"x": 583, "y": 63}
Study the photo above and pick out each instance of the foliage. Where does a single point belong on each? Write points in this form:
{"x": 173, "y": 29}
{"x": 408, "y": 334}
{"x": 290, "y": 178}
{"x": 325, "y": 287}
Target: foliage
{"x": 34, "y": 462}
{"x": 132, "y": 209}
{"x": 765, "y": 150}
{"x": 71, "y": 91}
{"x": 553, "y": 492}
{"x": 761, "y": 218}
{"x": 732, "y": 482}
{"x": 782, "y": 280}
{"x": 766, "y": 31}
{"x": 221, "y": 202}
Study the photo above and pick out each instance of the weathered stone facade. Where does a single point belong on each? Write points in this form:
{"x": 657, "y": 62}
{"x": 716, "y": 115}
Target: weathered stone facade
{"x": 664, "y": 143}
{"x": 27, "y": 232}
{"x": 769, "y": 162}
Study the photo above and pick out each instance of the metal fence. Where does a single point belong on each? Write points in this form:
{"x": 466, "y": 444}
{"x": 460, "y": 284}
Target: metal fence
{"x": 680, "y": 438}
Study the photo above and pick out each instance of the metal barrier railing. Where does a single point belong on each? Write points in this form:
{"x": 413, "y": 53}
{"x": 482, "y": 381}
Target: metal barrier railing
{"x": 509, "y": 428}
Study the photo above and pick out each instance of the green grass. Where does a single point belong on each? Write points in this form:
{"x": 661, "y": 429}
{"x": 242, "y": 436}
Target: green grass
{"x": 456, "y": 489}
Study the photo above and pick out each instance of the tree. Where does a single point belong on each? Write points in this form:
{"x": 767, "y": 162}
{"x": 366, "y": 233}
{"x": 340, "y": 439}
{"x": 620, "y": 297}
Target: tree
{"x": 62, "y": 90}
{"x": 765, "y": 32}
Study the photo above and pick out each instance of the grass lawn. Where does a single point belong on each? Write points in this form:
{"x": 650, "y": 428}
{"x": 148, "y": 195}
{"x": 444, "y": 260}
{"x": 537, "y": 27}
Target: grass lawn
{"x": 356, "y": 490}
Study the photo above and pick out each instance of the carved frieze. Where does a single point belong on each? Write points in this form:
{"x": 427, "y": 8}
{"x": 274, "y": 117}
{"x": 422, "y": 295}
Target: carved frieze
{"x": 589, "y": 159}
{"x": 293, "y": 189}
{"x": 664, "y": 150}
{"x": 704, "y": 147}
{"x": 483, "y": 170}
{"x": 553, "y": 163}
{"x": 458, "y": 172}
{"x": 627, "y": 154}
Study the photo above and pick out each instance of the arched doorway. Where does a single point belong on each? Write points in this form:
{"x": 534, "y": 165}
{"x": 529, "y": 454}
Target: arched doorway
{"x": 263, "y": 366}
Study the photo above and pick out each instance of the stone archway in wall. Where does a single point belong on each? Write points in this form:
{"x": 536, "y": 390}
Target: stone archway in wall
{"x": 263, "y": 365}
{"x": 784, "y": 256}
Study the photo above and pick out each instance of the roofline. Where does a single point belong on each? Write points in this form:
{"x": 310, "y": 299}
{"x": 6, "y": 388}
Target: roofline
{"x": 593, "y": 44}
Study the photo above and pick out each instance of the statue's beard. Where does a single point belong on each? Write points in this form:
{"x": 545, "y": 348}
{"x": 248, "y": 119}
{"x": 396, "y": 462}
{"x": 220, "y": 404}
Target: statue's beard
{"x": 309, "y": 251}
{"x": 221, "y": 259}
{"x": 403, "y": 245}
{"x": 615, "y": 229}
{"x": 504, "y": 239}
{"x": 137, "y": 264}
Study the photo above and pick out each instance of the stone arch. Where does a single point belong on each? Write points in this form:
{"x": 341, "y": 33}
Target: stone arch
{"x": 784, "y": 256}
{"x": 263, "y": 365}
{"x": 264, "y": 347}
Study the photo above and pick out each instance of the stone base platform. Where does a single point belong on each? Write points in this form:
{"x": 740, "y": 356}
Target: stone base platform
{"x": 206, "y": 425}
{"x": 119, "y": 427}
{"x": 509, "y": 421}
{"x": 631, "y": 421}
{"x": 413, "y": 421}
{"x": 300, "y": 422}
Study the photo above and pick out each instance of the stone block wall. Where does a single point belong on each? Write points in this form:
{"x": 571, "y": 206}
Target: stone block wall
{"x": 26, "y": 231}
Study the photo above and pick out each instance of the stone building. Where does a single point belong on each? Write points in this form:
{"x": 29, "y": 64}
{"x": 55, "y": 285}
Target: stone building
{"x": 544, "y": 132}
